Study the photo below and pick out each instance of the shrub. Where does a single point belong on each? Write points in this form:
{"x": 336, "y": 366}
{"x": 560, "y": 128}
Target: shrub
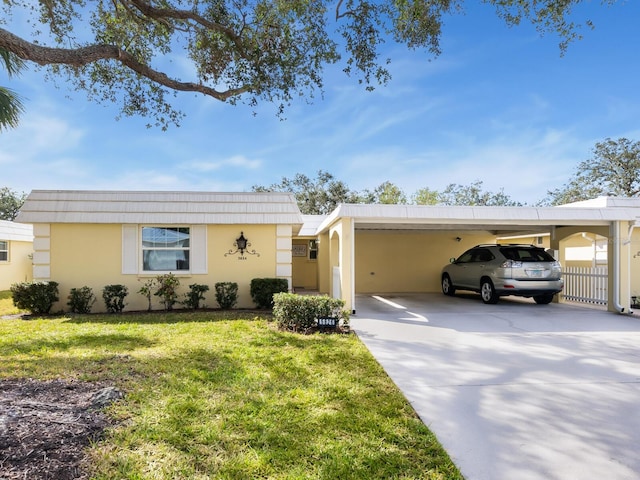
{"x": 36, "y": 297}
{"x": 263, "y": 289}
{"x": 299, "y": 312}
{"x": 113, "y": 296}
{"x": 81, "y": 300}
{"x": 167, "y": 289}
{"x": 195, "y": 295}
{"x": 226, "y": 294}
{"x": 147, "y": 290}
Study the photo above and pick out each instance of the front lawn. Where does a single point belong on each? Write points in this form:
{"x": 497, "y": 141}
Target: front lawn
{"x": 211, "y": 396}
{"x": 6, "y": 304}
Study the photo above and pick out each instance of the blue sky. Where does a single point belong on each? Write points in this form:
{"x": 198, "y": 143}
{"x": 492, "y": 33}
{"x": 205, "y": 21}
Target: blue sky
{"x": 500, "y": 105}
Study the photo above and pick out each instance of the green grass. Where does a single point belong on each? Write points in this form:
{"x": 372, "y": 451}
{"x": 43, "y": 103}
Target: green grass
{"x": 209, "y": 397}
{"x": 6, "y": 304}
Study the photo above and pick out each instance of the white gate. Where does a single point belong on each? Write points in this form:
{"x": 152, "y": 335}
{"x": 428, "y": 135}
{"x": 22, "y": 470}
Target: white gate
{"x": 585, "y": 284}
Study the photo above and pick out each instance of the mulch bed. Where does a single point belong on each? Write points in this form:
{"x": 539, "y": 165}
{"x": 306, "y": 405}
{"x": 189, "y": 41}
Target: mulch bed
{"x": 46, "y": 425}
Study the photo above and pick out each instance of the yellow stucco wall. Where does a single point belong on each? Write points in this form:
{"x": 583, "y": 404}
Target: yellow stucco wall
{"x": 91, "y": 255}
{"x": 538, "y": 240}
{"x": 18, "y": 268}
{"x": 233, "y": 268}
{"x": 305, "y": 270}
{"x": 407, "y": 261}
{"x": 578, "y": 250}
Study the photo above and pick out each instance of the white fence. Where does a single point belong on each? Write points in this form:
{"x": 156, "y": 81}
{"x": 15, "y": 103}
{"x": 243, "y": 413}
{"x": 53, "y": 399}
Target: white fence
{"x": 586, "y": 285}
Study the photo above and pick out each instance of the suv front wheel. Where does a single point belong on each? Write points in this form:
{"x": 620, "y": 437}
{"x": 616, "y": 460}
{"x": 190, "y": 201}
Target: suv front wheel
{"x": 447, "y": 286}
{"x": 488, "y": 292}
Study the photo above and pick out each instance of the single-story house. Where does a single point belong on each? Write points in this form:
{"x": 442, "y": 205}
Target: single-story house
{"x": 98, "y": 238}
{"x": 94, "y": 239}
{"x": 16, "y": 249}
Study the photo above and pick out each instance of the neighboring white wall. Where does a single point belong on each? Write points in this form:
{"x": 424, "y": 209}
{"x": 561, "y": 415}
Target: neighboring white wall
{"x": 15, "y": 263}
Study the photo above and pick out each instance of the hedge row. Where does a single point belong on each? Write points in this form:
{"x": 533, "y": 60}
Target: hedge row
{"x": 39, "y": 297}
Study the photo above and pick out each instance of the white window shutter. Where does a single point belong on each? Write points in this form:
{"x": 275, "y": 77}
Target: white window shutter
{"x": 130, "y": 249}
{"x": 199, "y": 249}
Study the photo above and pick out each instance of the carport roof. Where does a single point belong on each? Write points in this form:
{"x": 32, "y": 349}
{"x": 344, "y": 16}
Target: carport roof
{"x": 494, "y": 219}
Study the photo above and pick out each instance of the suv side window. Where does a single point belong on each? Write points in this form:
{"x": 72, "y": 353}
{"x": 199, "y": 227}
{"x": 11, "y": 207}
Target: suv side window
{"x": 484, "y": 255}
{"x": 466, "y": 257}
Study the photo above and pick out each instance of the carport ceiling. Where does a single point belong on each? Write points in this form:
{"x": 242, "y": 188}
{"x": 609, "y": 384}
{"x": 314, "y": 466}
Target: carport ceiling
{"x": 493, "y": 229}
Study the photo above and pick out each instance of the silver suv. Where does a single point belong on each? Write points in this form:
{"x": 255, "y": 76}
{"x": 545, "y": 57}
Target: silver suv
{"x": 497, "y": 270}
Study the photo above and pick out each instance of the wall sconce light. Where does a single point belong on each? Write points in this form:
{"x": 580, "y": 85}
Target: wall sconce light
{"x": 458, "y": 239}
{"x": 241, "y": 243}
{"x": 242, "y": 246}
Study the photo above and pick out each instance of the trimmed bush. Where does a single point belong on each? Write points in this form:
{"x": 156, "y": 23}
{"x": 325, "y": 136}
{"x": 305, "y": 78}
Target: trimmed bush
{"x": 263, "y": 289}
{"x": 81, "y": 300}
{"x": 298, "y": 313}
{"x": 167, "y": 289}
{"x": 147, "y": 290}
{"x": 36, "y": 297}
{"x": 195, "y": 295}
{"x": 113, "y": 296}
{"x": 226, "y": 294}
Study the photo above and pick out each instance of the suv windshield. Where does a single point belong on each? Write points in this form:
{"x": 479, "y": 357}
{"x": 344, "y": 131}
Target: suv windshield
{"x": 526, "y": 254}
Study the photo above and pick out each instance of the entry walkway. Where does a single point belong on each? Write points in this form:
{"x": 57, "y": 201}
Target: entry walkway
{"x": 514, "y": 391}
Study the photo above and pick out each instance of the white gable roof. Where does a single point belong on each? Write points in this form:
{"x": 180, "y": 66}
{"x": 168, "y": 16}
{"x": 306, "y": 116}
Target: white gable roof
{"x": 173, "y": 208}
{"x": 15, "y": 231}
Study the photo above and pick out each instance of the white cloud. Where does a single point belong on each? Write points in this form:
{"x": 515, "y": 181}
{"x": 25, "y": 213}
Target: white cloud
{"x": 39, "y": 137}
{"x": 236, "y": 161}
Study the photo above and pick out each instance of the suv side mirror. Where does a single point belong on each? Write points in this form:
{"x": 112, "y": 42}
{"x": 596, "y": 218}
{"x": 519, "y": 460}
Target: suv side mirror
{"x": 452, "y": 260}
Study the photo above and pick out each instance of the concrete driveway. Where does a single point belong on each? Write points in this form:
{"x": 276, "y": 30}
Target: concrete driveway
{"x": 514, "y": 391}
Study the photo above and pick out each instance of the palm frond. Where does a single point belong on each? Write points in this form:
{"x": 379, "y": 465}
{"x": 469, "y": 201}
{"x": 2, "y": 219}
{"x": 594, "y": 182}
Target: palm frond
{"x": 10, "y": 108}
{"x": 12, "y": 63}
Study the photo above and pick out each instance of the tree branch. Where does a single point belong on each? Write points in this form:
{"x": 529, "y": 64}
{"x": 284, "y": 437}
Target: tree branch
{"x": 79, "y": 57}
{"x": 346, "y": 12}
{"x": 163, "y": 13}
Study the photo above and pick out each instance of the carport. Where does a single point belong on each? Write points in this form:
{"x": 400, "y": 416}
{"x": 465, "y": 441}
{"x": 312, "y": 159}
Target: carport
{"x": 402, "y": 248}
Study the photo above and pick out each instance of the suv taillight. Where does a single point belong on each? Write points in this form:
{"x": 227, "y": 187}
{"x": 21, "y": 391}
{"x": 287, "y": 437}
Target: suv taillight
{"x": 511, "y": 264}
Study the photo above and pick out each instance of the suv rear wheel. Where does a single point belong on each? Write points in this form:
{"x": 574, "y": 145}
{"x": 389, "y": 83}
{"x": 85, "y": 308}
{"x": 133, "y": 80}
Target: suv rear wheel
{"x": 488, "y": 291}
{"x": 543, "y": 299}
{"x": 447, "y": 286}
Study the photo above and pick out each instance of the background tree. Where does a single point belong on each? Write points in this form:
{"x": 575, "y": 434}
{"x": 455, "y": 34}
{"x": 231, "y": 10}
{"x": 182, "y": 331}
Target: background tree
{"x": 121, "y": 50}
{"x": 323, "y": 194}
{"x": 319, "y": 196}
{"x": 614, "y": 169}
{"x": 386, "y": 193}
{"x": 473, "y": 194}
{"x": 10, "y": 203}
{"x": 425, "y": 196}
{"x": 10, "y": 103}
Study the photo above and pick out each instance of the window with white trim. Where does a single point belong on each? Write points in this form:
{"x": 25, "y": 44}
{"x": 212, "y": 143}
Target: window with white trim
{"x": 313, "y": 250}
{"x": 165, "y": 249}
{"x": 192, "y": 248}
{"x": 4, "y": 251}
